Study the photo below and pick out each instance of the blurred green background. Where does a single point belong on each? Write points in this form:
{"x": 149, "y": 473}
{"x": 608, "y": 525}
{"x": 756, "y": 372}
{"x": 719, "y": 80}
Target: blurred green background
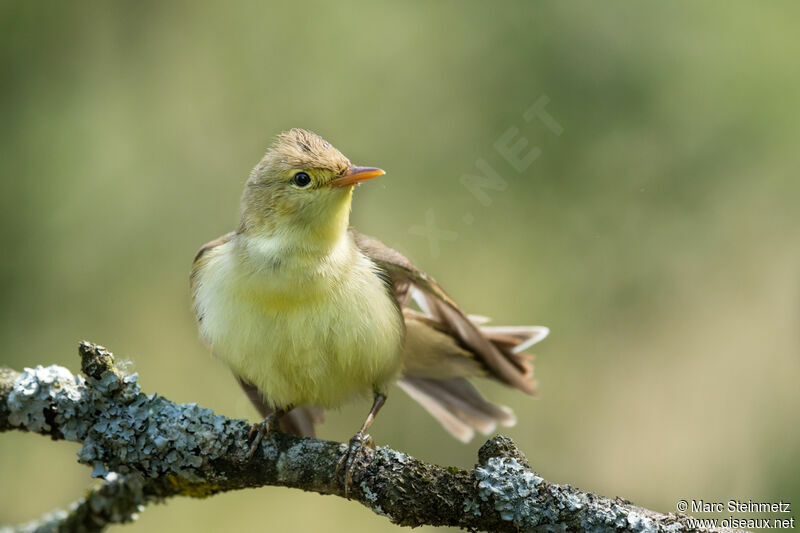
{"x": 657, "y": 235}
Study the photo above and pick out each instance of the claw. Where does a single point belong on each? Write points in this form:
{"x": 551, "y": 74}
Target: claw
{"x": 263, "y": 429}
{"x": 349, "y": 461}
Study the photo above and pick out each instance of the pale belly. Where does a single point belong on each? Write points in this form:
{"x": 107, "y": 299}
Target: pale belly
{"x": 303, "y": 345}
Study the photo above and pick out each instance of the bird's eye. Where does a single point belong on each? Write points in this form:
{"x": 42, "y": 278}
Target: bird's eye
{"x": 301, "y": 179}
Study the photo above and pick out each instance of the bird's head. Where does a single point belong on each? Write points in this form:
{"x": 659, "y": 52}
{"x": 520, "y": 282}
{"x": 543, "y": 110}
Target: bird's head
{"x": 302, "y": 184}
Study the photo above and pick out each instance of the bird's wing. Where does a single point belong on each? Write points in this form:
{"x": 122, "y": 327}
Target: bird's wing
{"x": 201, "y": 258}
{"x": 495, "y": 350}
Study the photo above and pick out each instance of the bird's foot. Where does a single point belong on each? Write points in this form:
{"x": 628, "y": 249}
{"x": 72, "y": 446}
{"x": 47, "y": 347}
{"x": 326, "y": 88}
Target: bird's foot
{"x": 265, "y": 428}
{"x": 355, "y": 452}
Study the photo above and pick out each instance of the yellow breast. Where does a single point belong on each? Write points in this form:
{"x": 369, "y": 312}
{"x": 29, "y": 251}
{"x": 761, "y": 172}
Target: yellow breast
{"x": 305, "y": 330}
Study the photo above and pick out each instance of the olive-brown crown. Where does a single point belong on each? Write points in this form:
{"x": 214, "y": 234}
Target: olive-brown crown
{"x": 300, "y": 149}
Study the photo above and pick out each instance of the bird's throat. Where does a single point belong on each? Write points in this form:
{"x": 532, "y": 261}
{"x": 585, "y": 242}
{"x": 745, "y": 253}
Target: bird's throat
{"x": 286, "y": 238}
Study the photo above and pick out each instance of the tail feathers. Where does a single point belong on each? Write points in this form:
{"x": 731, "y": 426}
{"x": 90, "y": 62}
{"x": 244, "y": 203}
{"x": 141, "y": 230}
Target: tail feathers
{"x": 516, "y": 338}
{"x": 513, "y": 341}
{"x": 470, "y": 334}
{"x": 479, "y": 320}
{"x": 457, "y": 405}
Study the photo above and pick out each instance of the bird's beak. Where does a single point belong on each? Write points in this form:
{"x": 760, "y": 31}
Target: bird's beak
{"x": 355, "y": 175}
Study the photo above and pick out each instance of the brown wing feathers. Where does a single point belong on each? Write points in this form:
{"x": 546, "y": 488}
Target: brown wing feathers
{"x": 200, "y": 258}
{"x": 444, "y": 346}
{"x": 409, "y": 280}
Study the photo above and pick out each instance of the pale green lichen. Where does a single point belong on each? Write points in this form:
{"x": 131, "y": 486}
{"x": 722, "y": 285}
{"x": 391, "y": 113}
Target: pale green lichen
{"x": 605, "y": 520}
{"x": 119, "y": 499}
{"x": 565, "y": 500}
{"x": 388, "y": 456}
{"x": 550, "y": 528}
{"x": 637, "y": 522}
{"x": 290, "y": 464}
{"x": 511, "y": 489}
{"x": 520, "y": 497}
{"x": 119, "y": 425}
{"x": 472, "y": 506}
{"x": 35, "y": 389}
{"x": 372, "y": 499}
{"x": 368, "y": 494}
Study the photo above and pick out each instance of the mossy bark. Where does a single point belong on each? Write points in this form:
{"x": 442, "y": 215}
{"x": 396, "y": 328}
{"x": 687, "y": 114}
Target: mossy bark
{"x": 146, "y": 448}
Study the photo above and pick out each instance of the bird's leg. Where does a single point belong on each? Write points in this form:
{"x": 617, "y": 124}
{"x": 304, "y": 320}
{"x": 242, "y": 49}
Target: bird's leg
{"x": 356, "y": 448}
{"x": 270, "y": 424}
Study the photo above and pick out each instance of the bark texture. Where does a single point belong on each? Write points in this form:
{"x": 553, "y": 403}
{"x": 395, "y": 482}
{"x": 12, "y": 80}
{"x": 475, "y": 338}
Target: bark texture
{"x": 145, "y": 448}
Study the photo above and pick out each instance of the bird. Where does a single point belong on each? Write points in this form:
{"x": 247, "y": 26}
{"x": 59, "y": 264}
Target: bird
{"x": 308, "y": 313}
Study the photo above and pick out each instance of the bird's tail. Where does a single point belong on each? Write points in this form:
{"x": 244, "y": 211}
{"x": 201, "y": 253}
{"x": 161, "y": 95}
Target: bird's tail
{"x": 456, "y": 403}
{"x": 514, "y": 340}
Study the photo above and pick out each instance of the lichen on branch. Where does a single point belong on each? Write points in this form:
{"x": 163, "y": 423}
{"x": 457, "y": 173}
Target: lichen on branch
{"x": 145, "y": 448}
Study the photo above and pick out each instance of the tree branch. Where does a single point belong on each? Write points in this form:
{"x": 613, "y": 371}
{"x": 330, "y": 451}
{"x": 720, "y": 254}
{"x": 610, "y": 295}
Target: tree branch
{"x": 147, "y": 448}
